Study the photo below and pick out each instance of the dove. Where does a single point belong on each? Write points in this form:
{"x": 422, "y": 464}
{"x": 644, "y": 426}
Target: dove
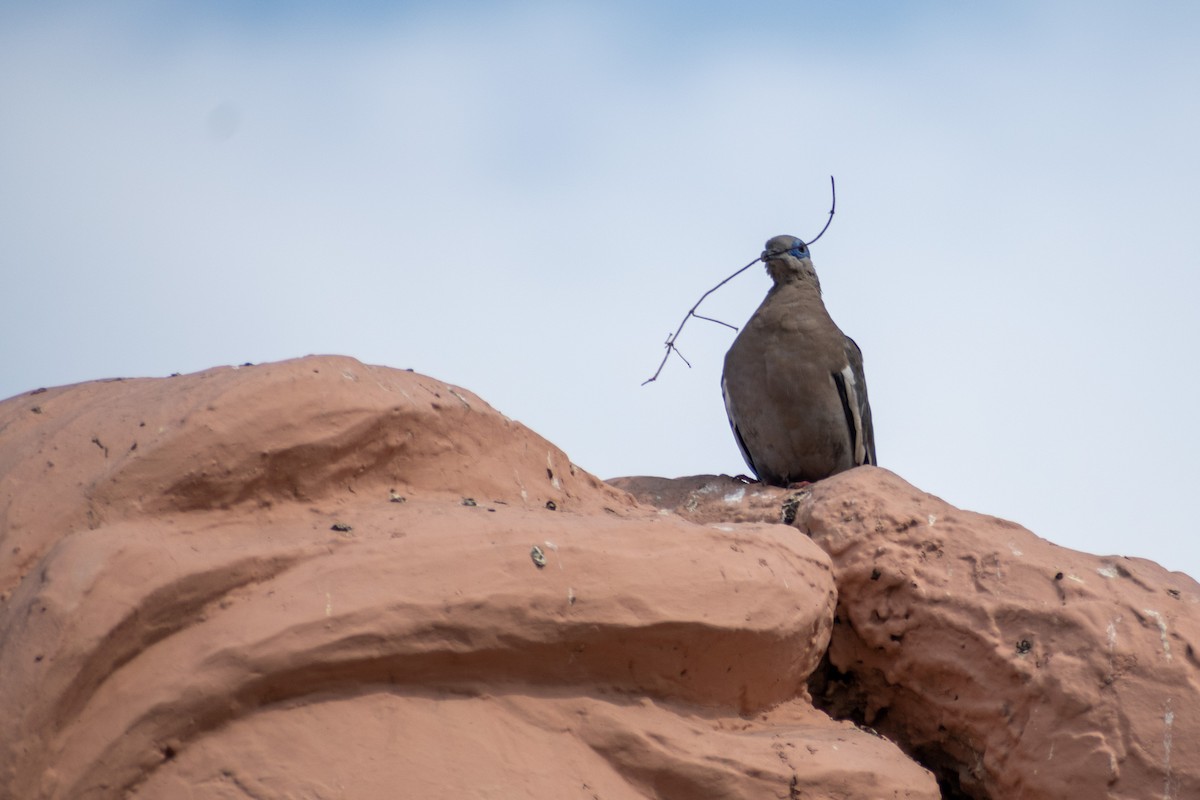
{"x": 793, "y": 383}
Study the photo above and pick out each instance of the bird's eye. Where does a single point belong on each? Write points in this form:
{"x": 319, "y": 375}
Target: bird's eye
{"x": 799, "y": 250}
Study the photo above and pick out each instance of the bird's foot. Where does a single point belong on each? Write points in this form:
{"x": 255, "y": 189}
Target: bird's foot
{"x": 799, "y": 485}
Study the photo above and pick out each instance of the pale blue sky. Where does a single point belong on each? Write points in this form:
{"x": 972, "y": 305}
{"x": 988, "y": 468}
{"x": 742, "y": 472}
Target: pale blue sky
{"x": 524, "y": 198}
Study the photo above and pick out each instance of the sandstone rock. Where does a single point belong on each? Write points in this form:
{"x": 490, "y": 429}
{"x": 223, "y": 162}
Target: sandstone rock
{"x": 1013, "y": 667}
{"x": 268, "y": 582}
{"x": 713, "y": 499}
{"x": 78, "y": 457}
{"x": 1028, "y": 670}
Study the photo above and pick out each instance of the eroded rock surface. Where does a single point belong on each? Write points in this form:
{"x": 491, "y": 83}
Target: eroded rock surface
{"x": 318, "y": 579}
{"x": 1016, "y": 668}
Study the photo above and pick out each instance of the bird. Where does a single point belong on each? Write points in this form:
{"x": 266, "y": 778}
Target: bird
{"x": 793, "y": 383}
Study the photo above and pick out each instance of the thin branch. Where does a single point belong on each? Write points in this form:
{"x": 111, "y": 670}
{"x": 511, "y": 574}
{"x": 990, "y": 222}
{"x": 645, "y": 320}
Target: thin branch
{"x": 670, "y": 344}
{"x": 718, "y": 321}
{"x": 692, "y": 313}
{"x": 832, "y": 208}
{"x": 681, "y": 358}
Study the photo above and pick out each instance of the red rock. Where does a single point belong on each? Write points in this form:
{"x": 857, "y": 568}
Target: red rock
{"x": 1034, "y": 670}
{"x": 1013, "y": 667}
{"x": 713, "y": 499}
{"x": 210, "y": 591}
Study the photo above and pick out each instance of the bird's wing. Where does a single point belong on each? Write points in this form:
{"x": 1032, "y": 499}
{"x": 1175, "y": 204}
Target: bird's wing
{"x": 737, "y": 434}
{"x": 852, "y": 388}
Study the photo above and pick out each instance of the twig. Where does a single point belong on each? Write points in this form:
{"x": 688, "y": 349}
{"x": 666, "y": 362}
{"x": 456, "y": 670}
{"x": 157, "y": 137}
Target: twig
{"x": 692, "y": 313}
{"x": 718, "y": 321}
{"x": 832, "y": 208}
{"x": 670, "y": 343}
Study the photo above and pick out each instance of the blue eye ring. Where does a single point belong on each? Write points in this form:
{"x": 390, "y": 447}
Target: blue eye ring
{"x": 799, "y": 250}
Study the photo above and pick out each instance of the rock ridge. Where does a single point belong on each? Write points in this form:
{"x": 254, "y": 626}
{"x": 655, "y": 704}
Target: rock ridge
{"x": 319, "y": 578}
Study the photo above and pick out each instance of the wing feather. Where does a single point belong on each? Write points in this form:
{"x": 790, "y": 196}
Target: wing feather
{"x": 737, "y": 434}
{"x": 852, "y": 387}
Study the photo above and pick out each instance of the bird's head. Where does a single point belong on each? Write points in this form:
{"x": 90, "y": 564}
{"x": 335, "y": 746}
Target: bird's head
{"x": 787, "y": 260}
